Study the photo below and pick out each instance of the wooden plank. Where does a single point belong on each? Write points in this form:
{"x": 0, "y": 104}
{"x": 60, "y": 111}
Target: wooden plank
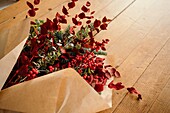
{"x": 96, "y": 5}
{"x": 123, "y": 30}
{"x": 150, "y": 85}
{"x": 152, "y": 81}
{"x": 139, "y": 45}
{"x": 7, "y": 19}
{"x": 6, "y": 3}
{"x": 99, "y": 6}
{"x": 44, "y": 12}
{"x": 139, "y": 8}
{"x": 162, "y": 103}
{"x": 126, "y": 19}
{"x": 21, "y": 8}
{"x": 13, "y": 10}
{"x": 114, "y": 8}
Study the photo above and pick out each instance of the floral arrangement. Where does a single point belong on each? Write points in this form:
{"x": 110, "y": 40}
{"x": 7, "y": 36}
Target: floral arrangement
{"x": 49, "y": 48}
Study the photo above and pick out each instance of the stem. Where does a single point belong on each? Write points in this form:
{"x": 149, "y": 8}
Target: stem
{"x": 16, "y": 72}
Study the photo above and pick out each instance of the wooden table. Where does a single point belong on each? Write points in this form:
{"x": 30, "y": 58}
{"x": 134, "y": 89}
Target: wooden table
{"x": 139, "y": 46}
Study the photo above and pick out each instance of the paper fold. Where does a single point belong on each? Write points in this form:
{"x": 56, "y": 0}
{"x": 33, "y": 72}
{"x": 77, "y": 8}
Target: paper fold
{"x": 59, "y": 92}
{"x": 11, "y": 44}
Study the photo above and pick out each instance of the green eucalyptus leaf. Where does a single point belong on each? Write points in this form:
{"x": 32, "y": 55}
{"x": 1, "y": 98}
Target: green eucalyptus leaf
{"x": 89, "y": 71}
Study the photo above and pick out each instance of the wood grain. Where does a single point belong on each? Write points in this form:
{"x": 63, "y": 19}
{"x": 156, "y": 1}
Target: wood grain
{"x": 142, "y": 66}
{"x": 13, "y": 14}
{"x": 162, "y": 103}
{"x": 143, "y": 36}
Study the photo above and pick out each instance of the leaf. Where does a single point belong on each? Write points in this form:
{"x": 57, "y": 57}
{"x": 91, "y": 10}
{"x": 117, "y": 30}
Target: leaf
{"x": 112, "y": 71}
{"x": 85, "y": 9}
{"x": 79, "y": 23}
{"x": 100, "y": 52}
{"x": 108, "y": 20}
{"x": 64, "y": 10}
{"x": 57, "y": 15}
{"x": 97, "y": 30}
{"x": 99, "y": 87}
{"x": 133, "y": 90}
{"x": 35, "y": 9}
{"x": 71, "y": 5}
{"x": 139, "y": 96}
{"x": 116, "y": 86}
{"x": 43, "y": 30}
{"x": 36, "y": 2}
{"x": 103, "y": 27}
{"x": 107, "y": 74}
{"x": 32, "y": 23}
{"x": 88, "y": 3}
{"x": 97, "y": 23}
{"x": 30, "y": 5}
{"x": 89, "y": 71}
{"x": 58, "y": 27}
{"x": 103, "y": 48}
{"x": 107, "y": 40}
{"x": 63, "y": 20}
{"x": 90, "y": 34}
{"x": 88, "y": 21}
{"x": 58, "y": 53}
{"x": 117, "y": 74}
{"x": 76, "y": 16}
{"x": 106, "y": 66}
{"x": 81, "y": 15}
{"x": 49, "y": 24}
{"x": 31, "y": 13}
{"x": 92, "y": 12}
{"x": 89, "y": 17}
{"x": 75, "y": 21}
{"x": 104, "y": 19}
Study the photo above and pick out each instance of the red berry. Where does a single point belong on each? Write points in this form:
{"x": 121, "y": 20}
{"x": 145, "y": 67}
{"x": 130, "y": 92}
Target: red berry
{"x": 35, "y": 71}
{"x": 79, "y": 71}
{"x": 31, "y": 72}
{"x": 28, "y": 75}
{"x": 33, "y": 75}
{"x": 85, "y": 76}
{"x": 51, "y": 68}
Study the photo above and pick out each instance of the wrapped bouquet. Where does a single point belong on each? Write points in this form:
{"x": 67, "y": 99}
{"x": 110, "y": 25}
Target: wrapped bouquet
{"x": 54, "y": 60}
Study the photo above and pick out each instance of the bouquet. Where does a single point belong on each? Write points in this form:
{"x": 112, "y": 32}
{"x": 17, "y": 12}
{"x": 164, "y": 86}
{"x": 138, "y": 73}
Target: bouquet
{"x": 50, "y": 48}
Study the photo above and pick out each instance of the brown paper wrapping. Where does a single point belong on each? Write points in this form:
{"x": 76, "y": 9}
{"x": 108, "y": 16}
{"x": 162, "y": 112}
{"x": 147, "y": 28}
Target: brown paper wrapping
{"x": 59, "y": 92}
{"x": 12, "y": 41}
{"x": 63, "y": 91}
